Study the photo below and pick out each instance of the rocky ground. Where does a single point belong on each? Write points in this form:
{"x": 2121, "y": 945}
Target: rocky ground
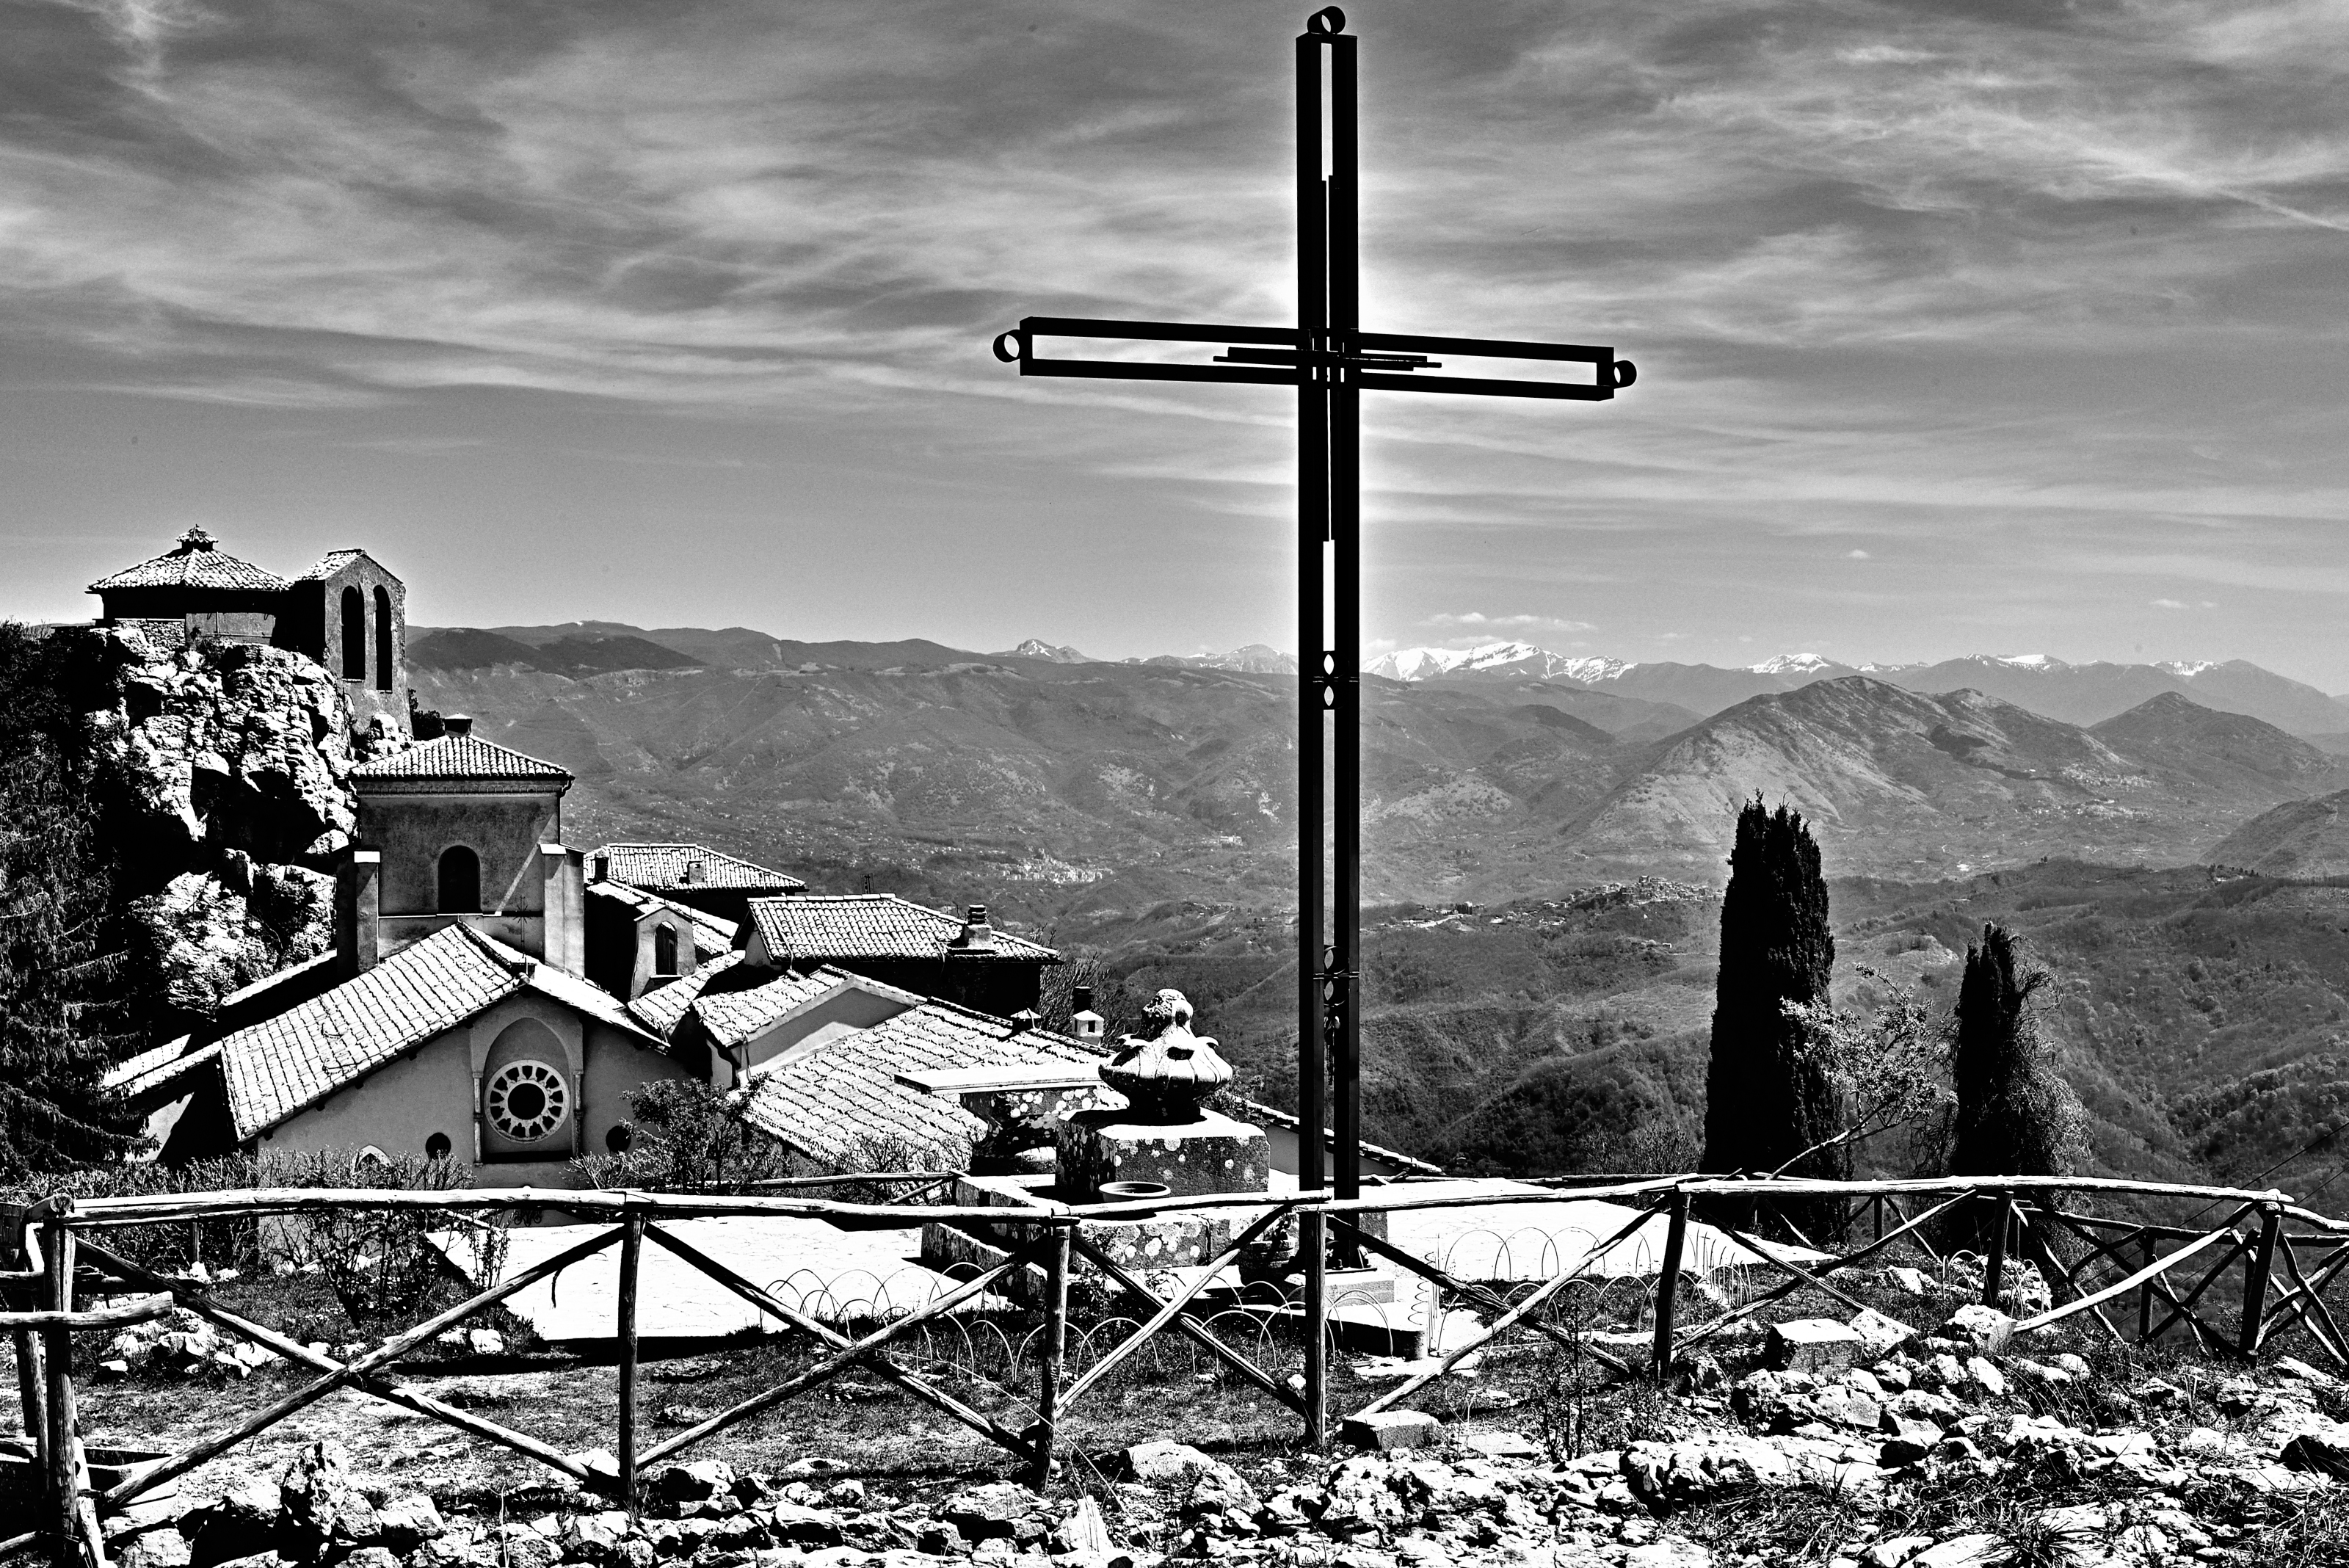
{"x": 1954, "y": 1448}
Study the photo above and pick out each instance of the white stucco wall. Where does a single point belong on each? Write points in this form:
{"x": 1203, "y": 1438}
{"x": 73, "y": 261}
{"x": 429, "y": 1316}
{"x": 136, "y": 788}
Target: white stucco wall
{"x": 434, "y": 1089}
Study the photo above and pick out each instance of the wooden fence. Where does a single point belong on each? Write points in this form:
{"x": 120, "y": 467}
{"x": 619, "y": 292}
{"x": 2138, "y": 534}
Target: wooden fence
{"x": 2093, "y": 1265}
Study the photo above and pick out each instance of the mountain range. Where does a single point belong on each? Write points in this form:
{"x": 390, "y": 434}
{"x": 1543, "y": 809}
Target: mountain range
{"x": 1093, "y": 792}
{"x": 2075, "y": 693}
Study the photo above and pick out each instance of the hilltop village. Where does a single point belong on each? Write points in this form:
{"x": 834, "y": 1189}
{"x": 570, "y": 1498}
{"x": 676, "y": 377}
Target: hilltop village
{"x": 494, "y": 993}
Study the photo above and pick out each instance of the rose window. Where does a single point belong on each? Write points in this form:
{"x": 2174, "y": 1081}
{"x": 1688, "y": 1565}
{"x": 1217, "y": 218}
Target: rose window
{"x": 527, "y": 1100}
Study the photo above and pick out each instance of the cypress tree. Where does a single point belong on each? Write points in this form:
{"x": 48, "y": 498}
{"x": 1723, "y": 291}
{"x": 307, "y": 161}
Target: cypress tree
{"x": 64, "y": 1001}
{"x": 1765, "y": 1102}
{"x": 2014, "y": 1117}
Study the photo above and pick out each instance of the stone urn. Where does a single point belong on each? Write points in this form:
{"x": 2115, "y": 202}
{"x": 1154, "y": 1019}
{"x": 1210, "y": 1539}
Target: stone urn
{"x": 1166, "y": 1074}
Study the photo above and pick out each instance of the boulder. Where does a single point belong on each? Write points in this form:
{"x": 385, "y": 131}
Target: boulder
{"x": 680, "y": 1486}
{"x": 1005, "y": 1510}
{"x": 1814, "y": 1345}
{"x": 324, "y": 1513}
{"x": 1676, "y": 1474}
{"x": 1975, "y": 1551}
{"x": 1387, "y": 1429}
{"x": 2319, "y": 1453}
{"x": 595, "y": 1537}
{"x": 1894, "y": 1551}
{"x": 1985, "y": 1330}
{"x": 1671, "y": 1551}
{"x": 161, "y": 1548}
{"x": 241, "y": 1523}
{"x": 1209, "y": 1481}
{"x": 409, "y": 1520}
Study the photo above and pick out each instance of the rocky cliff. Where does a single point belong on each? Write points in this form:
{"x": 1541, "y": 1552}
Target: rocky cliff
{"x": 231, "y": 780}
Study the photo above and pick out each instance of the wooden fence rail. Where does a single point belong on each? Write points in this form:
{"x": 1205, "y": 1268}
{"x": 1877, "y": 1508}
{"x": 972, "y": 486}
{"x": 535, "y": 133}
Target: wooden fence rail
{"x": 2090, "y": 1262}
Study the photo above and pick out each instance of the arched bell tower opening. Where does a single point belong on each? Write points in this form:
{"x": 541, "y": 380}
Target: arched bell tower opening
{"x": 353, "y": 635}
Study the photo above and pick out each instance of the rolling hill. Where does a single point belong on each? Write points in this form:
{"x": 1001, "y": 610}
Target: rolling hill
{"x": 2300, "y": 838}
{"x": 1088, "y": 791}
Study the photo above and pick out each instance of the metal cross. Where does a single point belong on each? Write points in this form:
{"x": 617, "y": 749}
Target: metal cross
{"x": 1331, "y": 361}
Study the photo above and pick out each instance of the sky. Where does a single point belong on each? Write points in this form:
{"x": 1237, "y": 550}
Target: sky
{"x": 1961, "y": 326}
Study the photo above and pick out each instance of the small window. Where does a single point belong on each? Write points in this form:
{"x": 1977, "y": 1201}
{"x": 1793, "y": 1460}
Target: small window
{"x": 436, "y": 1146}
{"x": 461, "y": 881}
{"x": 664, "y": 949}
{"x": 354, "y": 635}
{"x": 621, "y": 1138}
{"x": 382, "y": 639}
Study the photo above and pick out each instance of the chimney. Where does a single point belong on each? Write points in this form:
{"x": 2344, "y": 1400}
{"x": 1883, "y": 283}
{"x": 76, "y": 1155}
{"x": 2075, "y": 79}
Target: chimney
{"x": 694, "y": 873}
{"x": 603, "y": 868}
{"x": 975, "y": 936}
{"x": 357, "y": 882}
{"x": 457, "y": 724}
{"x": 1085, "y": 1024}
{"x": 563, "y": 942}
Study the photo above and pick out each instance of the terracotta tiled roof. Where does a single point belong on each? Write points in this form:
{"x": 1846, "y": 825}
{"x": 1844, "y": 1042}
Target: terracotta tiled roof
{"x": 842, "y": 1104}
{"x": 733, "y": 1016}
{"x": 193, "y": 563}
{"x": 330, "y": 563}
{"x": 284, "y": 1063}
{"x": 460, "y": 757}
{"x": 712, "y": 934}
{"x": 152, "y": 1069}
{"x": 662, "y": 1008}
{"x": 664, "y": 866}
{"x": 826, "y": 926}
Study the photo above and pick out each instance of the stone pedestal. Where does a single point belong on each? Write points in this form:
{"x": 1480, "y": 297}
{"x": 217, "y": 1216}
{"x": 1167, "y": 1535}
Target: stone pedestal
{"x": 1211, "y": 1153}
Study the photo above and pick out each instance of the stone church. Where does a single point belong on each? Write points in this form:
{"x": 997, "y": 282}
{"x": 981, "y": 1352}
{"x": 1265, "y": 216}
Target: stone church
{"x": 347, "y": 613}
{"x": 495, "y": 996}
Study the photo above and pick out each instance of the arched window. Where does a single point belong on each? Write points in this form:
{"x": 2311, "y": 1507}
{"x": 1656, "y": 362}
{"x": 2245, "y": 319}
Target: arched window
{"x": 461, "y": 881}
{"x": 382, "y": 639}
{"x": 665, "y": 950}
{"x": 354, "y": 635}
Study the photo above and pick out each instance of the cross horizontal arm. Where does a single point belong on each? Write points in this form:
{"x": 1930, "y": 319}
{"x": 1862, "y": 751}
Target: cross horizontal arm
{"x": 1355, "y": 361}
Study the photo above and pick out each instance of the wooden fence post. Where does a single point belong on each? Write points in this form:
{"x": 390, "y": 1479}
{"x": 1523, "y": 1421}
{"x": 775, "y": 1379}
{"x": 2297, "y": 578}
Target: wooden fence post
{"x": 1994, "y": 1266}
{"x": 632, "y": 1245}
{"x": 68, "y": 1476}
{"x": 2256, "y": 1274}
{"x": 2145, "y": 1291}
{"x": 1312, "y": 1226}
{"x": 1668, "y": 1282}
{"x": 1056, "y": 1351}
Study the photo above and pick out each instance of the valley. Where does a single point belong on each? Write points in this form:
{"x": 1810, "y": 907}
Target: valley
{"x": 1544, "y": 858}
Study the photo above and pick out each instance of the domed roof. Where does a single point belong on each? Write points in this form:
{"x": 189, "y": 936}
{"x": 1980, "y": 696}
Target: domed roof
{"x": 195, "y": 562}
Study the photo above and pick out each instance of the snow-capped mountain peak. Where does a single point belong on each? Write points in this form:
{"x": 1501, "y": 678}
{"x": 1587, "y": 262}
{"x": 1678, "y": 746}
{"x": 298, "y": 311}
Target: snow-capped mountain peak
{"x": 2187, "y": 669}
{"x": 1793, "y": 664}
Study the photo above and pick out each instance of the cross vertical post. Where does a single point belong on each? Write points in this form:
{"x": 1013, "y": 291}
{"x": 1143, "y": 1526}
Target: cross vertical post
{"x": 1328, "y": 610}
{"x": 1331, "y": 361}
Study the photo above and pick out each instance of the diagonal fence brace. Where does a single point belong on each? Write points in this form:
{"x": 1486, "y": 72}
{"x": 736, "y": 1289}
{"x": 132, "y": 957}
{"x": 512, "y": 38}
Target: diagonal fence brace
{"x": 849, "y": 1356}
{"x": 1501, "y": 1324}
{"x": 1166, "y": 1314}
{"x": 1479, "y": 1295}
{"x": 1191, "y": 1328}
{"x": 197, "y": 1301}
{"x": 882, "y": 1365}
{"x": 390, "y": 1350}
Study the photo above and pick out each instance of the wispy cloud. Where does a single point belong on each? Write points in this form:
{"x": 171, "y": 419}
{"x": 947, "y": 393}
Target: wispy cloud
{"x": 2053, "y": 295}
